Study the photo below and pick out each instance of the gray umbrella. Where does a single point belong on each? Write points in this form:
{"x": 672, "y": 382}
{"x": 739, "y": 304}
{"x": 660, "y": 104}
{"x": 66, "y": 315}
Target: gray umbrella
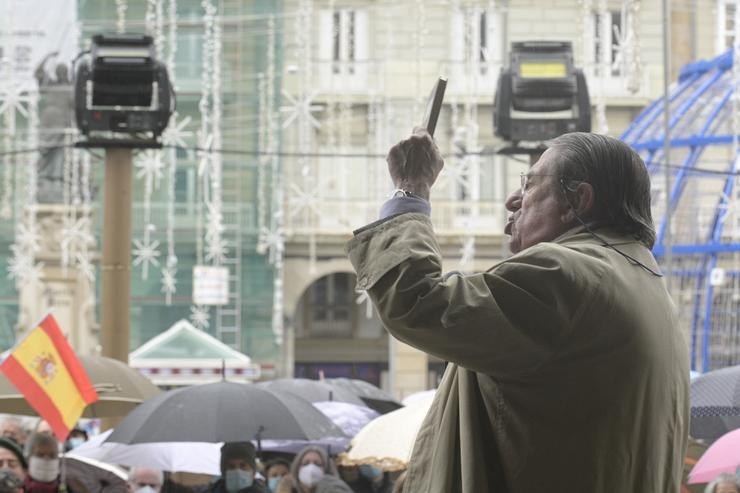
{"x": 372, "y": 396}
{"x": 313, "y": 390}
{"x": 715, "y": 403}
{"x": 223, "y": 412}
{"x": 120, "y": 389}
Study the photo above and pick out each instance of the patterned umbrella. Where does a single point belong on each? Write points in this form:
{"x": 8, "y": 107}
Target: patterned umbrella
{"x": 715, "y": 403}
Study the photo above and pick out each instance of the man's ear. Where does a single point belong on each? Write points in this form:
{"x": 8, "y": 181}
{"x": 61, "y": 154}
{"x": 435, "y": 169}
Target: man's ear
{"x": 580, "y": 200}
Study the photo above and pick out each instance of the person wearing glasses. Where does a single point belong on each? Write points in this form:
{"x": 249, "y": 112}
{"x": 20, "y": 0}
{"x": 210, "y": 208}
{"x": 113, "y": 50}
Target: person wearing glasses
{"x": 567, "y": 369}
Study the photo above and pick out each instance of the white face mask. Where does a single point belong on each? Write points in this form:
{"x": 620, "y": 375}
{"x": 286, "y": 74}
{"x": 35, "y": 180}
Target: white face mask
{"x": 146, "y": 489}
{"x": 310, "y": 475}
{"x": 43, "y": 470}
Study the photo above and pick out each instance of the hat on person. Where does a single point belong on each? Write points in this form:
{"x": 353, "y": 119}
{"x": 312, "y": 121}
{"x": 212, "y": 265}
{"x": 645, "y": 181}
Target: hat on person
{"x": 13, "y": 447}
{"x": 238, "y": 450}
{"x": 9, "y": 481}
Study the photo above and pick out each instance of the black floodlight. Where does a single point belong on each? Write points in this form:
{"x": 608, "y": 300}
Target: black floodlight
{"x": 541, "y": 95}
{"x": 121, "y": 88}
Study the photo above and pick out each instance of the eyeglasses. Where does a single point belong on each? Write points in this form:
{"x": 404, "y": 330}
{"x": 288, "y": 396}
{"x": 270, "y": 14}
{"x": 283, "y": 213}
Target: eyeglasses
{"x": 524, "y": 179}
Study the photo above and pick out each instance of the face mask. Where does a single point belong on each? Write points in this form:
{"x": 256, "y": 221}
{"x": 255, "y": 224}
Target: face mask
{"x": 371, "y": 472}
{"x": 74, "y": 442}
{"x": 273, "y": 482}
{"x": 146, "y": 489}
{"x": 43, "y": 470}
{"x": 236, "y": 479}
{"x": 310, "y": 474}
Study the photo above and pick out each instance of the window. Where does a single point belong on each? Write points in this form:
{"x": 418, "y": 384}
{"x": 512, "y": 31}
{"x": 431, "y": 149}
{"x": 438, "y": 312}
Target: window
{"x": 343, "y": 48}
{"x": 476, "y": 45}
{"x": 725, "y": 24}
{"x": 331, "y": 304}
{"x": 606, "y": 45}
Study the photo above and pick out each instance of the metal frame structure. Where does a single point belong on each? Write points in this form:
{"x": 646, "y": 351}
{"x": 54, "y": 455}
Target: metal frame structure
{"x": 703, "y": 205}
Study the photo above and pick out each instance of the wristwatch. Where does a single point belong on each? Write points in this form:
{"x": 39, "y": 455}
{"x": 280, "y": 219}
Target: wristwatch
{"x": 400, "y": 192}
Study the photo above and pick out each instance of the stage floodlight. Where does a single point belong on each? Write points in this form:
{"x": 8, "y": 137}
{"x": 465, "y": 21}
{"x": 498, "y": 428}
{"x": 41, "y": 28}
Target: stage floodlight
{"x": 121, "y": 88}
{"x": 541, "y": 94}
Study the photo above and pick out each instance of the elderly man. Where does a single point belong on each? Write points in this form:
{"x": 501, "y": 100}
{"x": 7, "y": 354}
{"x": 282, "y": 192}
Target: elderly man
{"x": 568, "y": 371}
{"x": 11, "y": 458}
{"x": 145, "y": 480}
{"x": 12, "y": 427}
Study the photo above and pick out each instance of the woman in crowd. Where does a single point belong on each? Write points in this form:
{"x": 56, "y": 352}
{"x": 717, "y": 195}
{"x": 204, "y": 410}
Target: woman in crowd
{"x": 43, "y": 465}
{"x": 275, "y": 471}
{"x": 312, "y": 472}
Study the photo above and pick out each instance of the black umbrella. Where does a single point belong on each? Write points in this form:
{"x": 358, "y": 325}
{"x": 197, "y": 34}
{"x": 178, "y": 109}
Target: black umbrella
{"x": 223, "y": 412}
{"x": 372, "y": 396}
{"x": 715, "y": 403}
{"x": 313, "y": 390}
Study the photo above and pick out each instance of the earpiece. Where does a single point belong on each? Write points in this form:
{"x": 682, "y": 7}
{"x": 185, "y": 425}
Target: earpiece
{"x": 567, "y": 192}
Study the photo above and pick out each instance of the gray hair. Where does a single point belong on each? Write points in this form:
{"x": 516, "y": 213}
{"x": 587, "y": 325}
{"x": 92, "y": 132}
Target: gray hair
{"x": 723, "y": 478}
{"x": 618, "y": 176}
{"x": 134, "y": 471}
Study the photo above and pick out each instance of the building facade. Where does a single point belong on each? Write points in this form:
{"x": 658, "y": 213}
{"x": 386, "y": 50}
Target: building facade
{"x": 310, "y": 96}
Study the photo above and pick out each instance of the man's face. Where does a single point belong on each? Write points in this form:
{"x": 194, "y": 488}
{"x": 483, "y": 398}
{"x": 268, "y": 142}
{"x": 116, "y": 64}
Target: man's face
{"x": 8, "y": 460}
{"x": 538, "y": 211}
{"x": 144, "y": 478}
{"x": 13, "y": 431}
{"x": 238, "y": 463}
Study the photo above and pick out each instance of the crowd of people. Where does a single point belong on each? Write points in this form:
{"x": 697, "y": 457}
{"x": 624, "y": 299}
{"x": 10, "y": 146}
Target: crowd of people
{"x": 30, "y": 462}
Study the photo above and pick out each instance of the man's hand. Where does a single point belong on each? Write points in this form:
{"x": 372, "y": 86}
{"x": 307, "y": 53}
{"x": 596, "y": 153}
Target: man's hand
{"x": 415, "y": 163}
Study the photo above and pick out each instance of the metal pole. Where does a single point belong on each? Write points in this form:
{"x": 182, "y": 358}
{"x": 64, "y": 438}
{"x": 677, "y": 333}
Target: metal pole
{"x": 116, "y": 262}
{"x": 667, "y": 140}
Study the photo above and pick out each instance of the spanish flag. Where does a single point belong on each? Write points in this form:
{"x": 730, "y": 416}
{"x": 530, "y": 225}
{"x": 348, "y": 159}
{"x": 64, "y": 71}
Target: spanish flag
{"x": 44, "y": 368}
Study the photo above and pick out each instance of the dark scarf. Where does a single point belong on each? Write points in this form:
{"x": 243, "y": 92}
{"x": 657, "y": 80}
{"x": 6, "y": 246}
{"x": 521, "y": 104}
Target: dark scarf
{"x": 32, "y": 486}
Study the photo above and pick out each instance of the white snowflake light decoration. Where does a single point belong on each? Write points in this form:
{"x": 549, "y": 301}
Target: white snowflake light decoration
{"x": 176, "y": 132}
{"x": 301, "y": 109}
{"x": 145, "y": 254}
{"x": 200, "y": 316}
{"x": 16, "y": 98}
{"x": 85, "y": 267}
{"x": 151, "y": 168}
{"x": 22, "y": 268}
{"x": 27, "y": 237}
{"x": 169, "y": 283}
{"x": 304, "y": 200}
{"x": 76, "y": 234}
{"x": 272, "y": 241}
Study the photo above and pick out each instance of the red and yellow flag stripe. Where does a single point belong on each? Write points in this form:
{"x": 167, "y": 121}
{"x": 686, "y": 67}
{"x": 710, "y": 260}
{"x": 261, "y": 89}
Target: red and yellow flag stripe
{"x": 44, "y": 368}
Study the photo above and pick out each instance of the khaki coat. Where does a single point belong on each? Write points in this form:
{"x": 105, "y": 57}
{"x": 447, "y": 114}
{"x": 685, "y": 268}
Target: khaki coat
{"x": 568, "y": 372}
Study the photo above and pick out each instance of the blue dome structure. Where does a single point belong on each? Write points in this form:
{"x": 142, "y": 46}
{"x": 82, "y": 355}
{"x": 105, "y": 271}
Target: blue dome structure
{"x": 704, "y": 202}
